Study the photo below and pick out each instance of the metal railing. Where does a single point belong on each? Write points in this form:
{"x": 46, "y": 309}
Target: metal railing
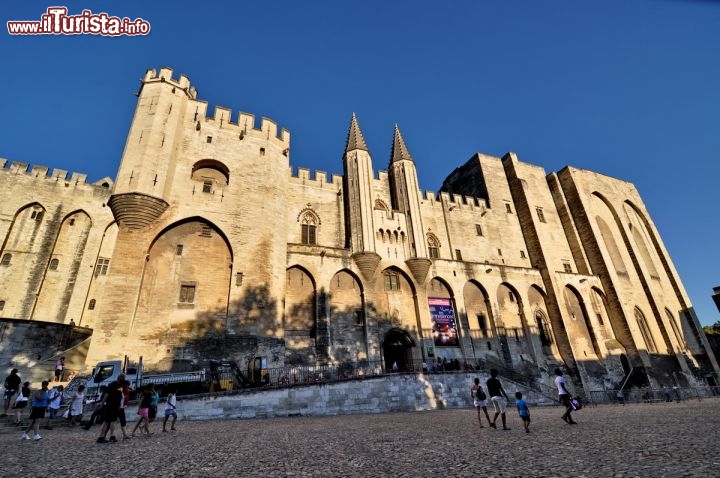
{"x": 651, "y": 395}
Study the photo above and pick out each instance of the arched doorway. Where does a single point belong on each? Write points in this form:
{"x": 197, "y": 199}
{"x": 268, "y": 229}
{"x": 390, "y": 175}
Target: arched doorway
{"x": 397, "y": 348}
{"x": 625, "y": 364}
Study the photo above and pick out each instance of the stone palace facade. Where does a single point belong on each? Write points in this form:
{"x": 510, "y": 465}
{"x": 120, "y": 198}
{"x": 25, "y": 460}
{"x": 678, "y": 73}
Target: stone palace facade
{"x": 208, "y": 244}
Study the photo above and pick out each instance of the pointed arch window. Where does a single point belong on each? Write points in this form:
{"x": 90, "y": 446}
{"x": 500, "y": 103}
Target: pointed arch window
{"x": 381, "y": 206}
{"x": 433, "y": 246}
{"x": 676, "y": 329}
{"x": 309, "y": 228}
{"x": 645, "y": 331}
{"x": 543, "y": 329}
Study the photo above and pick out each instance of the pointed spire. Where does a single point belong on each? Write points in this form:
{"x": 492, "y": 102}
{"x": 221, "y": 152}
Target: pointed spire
{"x": 355, "y": 138}
{"x": 399, "y": 150}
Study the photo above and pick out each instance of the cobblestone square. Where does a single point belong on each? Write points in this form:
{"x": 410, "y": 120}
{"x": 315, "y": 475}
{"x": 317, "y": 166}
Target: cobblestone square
{"x": 635, "y": 440}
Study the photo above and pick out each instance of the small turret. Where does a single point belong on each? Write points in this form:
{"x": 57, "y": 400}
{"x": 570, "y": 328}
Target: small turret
{"x": 358, "y": 178}
{"x": 405, "y": 195}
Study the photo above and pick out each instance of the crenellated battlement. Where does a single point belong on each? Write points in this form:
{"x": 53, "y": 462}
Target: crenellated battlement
{"x": 456, "y": 201}
{"x": 21, "y": 169}
{"x": 165, "y": 76}
{"x": 245, "y": 124}
{"x": 222, "y": 118}
{"x": 319, "y": 180}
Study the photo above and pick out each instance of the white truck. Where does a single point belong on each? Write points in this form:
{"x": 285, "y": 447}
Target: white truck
{"x": 218, "y": 376}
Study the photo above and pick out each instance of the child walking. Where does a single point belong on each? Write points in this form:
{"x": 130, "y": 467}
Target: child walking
{"x": 523, "y": 410}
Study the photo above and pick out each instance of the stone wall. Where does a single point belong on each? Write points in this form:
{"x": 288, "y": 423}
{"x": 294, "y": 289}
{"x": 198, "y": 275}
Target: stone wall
{"x": 389, "y": 393}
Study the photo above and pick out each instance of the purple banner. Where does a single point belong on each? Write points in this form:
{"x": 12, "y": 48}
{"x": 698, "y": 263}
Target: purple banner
{"x": 444, "y": 329}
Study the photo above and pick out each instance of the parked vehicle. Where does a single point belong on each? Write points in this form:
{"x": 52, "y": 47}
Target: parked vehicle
{"x": 219, "y": 375}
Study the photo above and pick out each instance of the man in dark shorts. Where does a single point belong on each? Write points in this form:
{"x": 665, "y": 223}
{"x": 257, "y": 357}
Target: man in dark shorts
{"x": 112, "y": 406}
{"x": 40, "y": 401}
{"x": 12, "y": 385}
{"x": 498, "y": 397}
{"x": 125, "y": 389}
{"x": 564, "y": 397}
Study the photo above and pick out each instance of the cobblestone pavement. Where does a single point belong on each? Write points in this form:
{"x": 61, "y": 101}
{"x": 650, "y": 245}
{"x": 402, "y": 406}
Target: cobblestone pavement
{"x": 635, "y": 440}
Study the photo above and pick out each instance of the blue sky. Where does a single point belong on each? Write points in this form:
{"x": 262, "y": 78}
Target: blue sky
{"x": 629, "y": 88}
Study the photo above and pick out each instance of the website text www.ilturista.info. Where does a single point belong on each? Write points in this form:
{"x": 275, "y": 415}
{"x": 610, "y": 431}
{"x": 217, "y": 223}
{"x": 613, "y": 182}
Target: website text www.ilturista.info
{"x": 56, "y": 21}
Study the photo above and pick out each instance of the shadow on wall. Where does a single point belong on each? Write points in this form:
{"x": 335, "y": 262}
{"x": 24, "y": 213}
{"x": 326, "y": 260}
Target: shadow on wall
{"x": 33, "y": 347}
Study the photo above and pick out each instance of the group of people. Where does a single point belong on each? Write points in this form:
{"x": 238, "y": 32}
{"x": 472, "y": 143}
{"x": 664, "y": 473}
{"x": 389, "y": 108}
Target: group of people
{"x": 40, "y": 401}
{"x": 114, "y": 399}
{"x": 499, "y": 400}
{"x": 109, "y": 407}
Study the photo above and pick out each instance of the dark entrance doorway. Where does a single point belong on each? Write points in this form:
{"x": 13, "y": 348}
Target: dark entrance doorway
{"x": 625, "y": 364}
{"x": 397, "y": 348}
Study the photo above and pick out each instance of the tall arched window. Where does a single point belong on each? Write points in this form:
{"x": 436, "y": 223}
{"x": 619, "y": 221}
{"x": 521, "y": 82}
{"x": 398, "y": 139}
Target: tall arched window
{"x": 54, "y": 264}
{"x": 6, "y": 260}
{"x": 676, "y": 329}
{"x": 309, "y": 228}
{"x": 543, "y": 329}
{"x": 433, "y": 246}
{"x": 645, "y": 331}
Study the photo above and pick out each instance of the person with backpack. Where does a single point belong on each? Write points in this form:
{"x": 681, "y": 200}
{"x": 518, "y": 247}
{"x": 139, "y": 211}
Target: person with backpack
{"x": 479, "y": 401}
{"x": 564, "y": 397}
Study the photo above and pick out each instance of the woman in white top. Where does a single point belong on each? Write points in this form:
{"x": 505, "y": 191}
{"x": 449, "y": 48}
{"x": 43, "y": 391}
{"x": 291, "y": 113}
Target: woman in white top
{"x": 76, "y": 405}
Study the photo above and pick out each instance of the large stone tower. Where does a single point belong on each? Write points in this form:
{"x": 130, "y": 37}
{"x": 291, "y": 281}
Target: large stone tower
{"x": 201, "y": 239}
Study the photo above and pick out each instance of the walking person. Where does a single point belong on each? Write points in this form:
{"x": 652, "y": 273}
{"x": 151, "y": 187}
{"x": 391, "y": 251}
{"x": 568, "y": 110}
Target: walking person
{"x": 170, "y": 410}
{"x": 12, "y": 385}
{"x": 99, "y": 408}
{"x": 76, "y": 405}
{"x": 154, "y": 400}
{"x": 564, "y": 397}
{"x": 55, "y": 397}
{"x": 498, "y": 397}
{"x": 125, "y": 389}
{"x": 59, "y": 367}
{"x": 523, "y": 411}
{"x": 143, "y": 411}
{"x": 40, "y": 401}
{"x": 112, "y": 404}
{"x": 479, "y": 401}
{"x": 21, "y": 402}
